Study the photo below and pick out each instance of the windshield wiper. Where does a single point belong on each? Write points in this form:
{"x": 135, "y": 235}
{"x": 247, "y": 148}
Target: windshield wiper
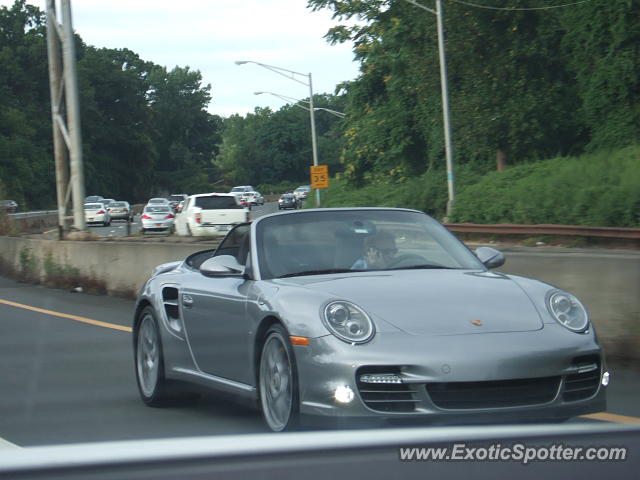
{"x": 425, "y": 266}
{"x": 317, "y": 272}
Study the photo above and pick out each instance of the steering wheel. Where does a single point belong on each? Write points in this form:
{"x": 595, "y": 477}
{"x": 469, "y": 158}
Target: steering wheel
{"x": 408, "y": 260}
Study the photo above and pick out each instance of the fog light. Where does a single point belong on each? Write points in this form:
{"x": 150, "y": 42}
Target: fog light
{"x": 380, "y": 378}
{"x": 605, "y": 379}
{"x": 343, "y": 394}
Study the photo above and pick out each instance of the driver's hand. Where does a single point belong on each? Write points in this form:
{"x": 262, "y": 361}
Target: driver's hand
{"x": 375, "y": 259}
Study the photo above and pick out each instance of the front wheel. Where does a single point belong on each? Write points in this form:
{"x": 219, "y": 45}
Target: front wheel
{"x": 149, "y": 362}
{"x": 278, "y": 381}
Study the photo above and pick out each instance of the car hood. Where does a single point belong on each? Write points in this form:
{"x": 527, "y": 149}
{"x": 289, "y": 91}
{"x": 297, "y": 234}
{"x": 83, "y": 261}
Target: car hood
{"x": 433, "y": 302}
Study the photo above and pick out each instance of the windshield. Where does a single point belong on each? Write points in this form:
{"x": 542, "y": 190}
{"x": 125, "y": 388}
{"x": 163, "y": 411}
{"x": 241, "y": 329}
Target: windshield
{"x": 356, "y": 241}
{"x": 217, "y": 202}
{"x": 118, "y": 204}
{"x": 176, "y": 198}
{"x": 158, "y": 209}
{"x": 93, "y": 206}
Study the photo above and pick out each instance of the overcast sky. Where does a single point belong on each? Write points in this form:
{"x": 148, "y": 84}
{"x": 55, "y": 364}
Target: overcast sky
{"x": 209, "y": 35}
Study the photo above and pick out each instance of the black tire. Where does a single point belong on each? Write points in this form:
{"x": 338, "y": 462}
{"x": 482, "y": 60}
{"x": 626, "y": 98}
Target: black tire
{"x": 156, "y": 391}
{"x": 149, "y": 361}
{"x": 277, "y": 365}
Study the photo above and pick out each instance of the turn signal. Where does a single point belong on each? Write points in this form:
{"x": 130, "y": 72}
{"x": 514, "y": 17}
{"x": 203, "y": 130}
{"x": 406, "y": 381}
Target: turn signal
{"x": 301, "y": 341}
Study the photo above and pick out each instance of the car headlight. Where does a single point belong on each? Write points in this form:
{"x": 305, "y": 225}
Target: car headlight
{"x": 348, "y": 322}
{"x": 568, "y": 310}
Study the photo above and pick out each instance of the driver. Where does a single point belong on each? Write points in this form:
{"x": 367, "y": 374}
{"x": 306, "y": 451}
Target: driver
{"x": 380, "y": 251}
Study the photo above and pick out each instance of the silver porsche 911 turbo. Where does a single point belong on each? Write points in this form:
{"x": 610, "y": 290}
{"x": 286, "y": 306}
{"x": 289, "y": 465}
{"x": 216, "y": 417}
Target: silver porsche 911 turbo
{"x": 365, "y": 316}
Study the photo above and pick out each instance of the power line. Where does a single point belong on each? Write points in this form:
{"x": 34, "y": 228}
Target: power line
{"x": 476, "y": 5}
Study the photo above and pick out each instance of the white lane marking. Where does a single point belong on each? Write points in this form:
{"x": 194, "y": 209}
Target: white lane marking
{"x": 112, "y": 231}
{"x": 7, "y": 444}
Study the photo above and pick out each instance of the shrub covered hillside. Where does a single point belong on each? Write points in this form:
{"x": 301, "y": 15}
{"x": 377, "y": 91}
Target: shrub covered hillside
{"x": 600, "y": 189}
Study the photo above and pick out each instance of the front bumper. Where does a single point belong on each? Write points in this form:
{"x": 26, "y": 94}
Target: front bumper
{"x": 493, "y": 362}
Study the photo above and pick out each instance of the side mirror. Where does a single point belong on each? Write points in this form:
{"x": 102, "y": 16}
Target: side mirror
{"x": 490, "y": 257}
{"x": 222, "y": 266}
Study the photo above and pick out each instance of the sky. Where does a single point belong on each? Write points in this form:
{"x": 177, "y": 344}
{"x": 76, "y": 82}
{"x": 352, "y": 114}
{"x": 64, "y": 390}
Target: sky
{"x": 210, "y": 35}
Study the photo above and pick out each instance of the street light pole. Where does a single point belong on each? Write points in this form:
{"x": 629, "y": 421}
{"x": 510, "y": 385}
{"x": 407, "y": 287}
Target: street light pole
{"x": 297, "y": 104}
{"x": 314, "y": 141}
{"x": 444, "y": 88}
{"x": 291, "y": 75}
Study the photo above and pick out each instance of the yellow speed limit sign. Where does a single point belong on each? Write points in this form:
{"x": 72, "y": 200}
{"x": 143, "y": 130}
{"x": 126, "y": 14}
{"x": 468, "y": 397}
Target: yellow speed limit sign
{"x": 320, "y": 176}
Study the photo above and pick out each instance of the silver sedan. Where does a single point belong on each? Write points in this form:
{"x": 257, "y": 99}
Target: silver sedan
{"x": 349, "y": 316}
{"x": 157, "y": 218}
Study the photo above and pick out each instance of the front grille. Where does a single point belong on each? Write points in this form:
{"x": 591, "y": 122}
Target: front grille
{"x": 386, "y": 397}
{"x": 582, "y": 385}
{"x": 493, "y": 394}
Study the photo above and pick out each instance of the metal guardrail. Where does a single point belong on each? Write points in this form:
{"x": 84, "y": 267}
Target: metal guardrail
{"x": 546, "y": 229}
{"x": 40, "y": 213}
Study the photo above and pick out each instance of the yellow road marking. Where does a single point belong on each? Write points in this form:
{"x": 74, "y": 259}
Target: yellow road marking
{"x": 49, "y": 231}
{"x": 67, "y": 315}
{"x": 603, "y": 416}
{"x": 611, "y": 417}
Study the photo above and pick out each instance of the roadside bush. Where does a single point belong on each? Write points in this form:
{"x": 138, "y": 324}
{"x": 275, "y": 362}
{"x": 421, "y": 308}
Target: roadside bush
{"x": 600, "y": 189}
{"x": 278, "y": 188}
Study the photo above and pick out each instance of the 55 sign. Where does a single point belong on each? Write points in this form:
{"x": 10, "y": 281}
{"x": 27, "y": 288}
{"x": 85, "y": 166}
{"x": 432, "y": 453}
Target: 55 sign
{"x": 320, "y": 176}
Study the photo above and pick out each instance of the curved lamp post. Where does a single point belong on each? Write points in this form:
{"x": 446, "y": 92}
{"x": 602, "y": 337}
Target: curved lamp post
{"x": 297, "y": 101}
{"x": 295, "y": 76}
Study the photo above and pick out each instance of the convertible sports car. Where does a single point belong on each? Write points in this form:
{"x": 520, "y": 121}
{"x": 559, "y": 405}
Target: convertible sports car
{"x": 366, "y": 315}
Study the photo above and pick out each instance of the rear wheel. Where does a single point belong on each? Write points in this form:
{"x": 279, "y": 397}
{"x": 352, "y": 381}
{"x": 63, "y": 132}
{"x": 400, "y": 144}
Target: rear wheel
{"x": 278, "y": 381}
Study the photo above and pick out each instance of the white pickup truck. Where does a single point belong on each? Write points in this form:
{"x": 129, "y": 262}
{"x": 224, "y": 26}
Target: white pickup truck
{"x": 208, "y": 214}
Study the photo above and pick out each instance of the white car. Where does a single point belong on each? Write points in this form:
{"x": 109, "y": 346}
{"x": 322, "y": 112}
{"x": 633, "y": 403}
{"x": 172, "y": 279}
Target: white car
{"x": 242, "y": 190}
{"x": 97, "y": 213}
{"x": 252, "y": 198}
{"x": 158, "y": 201}
{"x": 302, "y": 192}
{"x": 210, "y": 214}
{"x": 157, "y": 218}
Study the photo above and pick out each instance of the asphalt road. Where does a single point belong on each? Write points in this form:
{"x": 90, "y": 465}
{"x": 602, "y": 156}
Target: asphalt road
{"x": 70, "y": 379}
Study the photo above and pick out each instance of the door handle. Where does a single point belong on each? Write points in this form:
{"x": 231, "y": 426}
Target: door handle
{"x": 187, "y": 301}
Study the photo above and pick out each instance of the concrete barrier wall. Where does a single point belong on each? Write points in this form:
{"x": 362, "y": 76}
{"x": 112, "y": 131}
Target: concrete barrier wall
{"x": 122, "y": 267}
{"x": 607, "y": 282}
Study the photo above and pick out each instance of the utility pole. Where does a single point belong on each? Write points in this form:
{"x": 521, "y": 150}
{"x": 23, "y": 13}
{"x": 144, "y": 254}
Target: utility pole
{"x": 65, "y": 114}
{"x": 444, "y": 89}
